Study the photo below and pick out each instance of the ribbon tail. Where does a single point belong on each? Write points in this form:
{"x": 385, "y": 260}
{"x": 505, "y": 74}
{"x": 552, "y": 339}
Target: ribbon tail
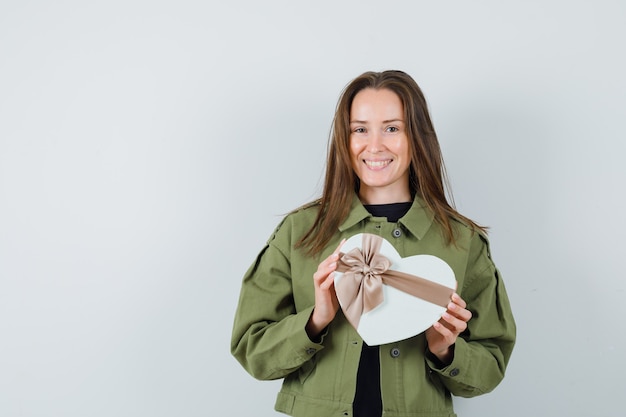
{"x": 373, "y": 294}
{"x": 350, "y": 296}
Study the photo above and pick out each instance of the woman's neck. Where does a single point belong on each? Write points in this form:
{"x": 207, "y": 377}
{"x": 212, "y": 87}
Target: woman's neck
{"x": 375, "y": 195}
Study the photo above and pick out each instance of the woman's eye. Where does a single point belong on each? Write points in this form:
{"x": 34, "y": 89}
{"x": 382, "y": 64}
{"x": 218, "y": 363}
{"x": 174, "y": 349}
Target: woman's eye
{"x": 392, "y": 129}
{"x": 359, "y": 130}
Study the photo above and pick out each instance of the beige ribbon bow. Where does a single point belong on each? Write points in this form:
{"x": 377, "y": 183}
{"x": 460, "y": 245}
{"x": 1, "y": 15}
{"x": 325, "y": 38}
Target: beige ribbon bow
{"x": 365, "y": 271}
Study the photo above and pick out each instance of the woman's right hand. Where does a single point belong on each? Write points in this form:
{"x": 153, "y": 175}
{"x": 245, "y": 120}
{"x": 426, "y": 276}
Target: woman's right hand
{"x": 326, "y": 303}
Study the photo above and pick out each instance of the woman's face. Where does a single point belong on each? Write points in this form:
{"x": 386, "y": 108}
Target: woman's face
{"x": 379, "y": 146}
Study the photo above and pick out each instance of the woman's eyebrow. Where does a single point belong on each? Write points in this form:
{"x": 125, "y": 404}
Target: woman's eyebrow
{"x": 384, "y": 121}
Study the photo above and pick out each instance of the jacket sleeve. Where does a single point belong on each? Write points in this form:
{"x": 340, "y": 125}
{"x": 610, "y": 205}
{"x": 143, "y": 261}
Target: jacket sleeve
{"x": 482, "y": 352}
{"x": 269, "y": 337}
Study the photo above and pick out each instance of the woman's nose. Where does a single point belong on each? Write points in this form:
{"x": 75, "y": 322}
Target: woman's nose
{"x": 375, "y": 143}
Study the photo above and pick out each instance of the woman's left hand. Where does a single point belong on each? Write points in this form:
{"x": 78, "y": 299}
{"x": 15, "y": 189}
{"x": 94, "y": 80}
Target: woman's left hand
{"x": 442, "y": 335}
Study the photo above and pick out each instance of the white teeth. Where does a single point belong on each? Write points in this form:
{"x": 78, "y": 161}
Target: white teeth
{"x": 377, "y": 164}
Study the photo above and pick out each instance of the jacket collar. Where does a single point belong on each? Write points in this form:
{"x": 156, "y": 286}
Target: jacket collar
{"x": 417, "y": 220}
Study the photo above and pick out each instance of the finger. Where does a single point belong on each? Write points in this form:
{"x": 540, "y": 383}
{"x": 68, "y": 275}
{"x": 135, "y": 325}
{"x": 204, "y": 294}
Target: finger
{"x": 338, "y": 250}
{"x": 453, "y": 323}
{"x": 323, "y": 270}
{"x": 328, "y": 265}
{"x": 332, "y": 259}
{"x": 456, "y": 299}
{"x": 460, "y": 312}
{"x": 444, "y": 331}
{"x": 446, "y": 325}
{"x": 328, "y": 282}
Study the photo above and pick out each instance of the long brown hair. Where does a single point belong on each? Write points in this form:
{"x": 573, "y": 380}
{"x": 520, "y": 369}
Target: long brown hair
{"x": 427, "y": 174}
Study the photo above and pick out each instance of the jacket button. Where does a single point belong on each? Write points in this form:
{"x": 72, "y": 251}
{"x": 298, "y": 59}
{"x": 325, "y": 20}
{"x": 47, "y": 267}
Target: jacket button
{"x": 397, "y": 232}
{"x": 395, "y": 352}
{"x": 454, "y": 372}
{"x": 311, "y": 351}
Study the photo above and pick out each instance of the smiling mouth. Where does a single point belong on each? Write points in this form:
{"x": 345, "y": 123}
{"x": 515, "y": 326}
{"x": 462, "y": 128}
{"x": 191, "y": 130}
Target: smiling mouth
{"x": 377, "y": 164}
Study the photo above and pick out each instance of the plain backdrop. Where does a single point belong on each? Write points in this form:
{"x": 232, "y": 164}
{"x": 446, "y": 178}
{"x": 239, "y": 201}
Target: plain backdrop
{"x": 149, "y": 148}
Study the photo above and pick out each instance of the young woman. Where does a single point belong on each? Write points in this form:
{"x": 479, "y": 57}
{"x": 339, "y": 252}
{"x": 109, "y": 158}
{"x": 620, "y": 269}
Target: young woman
{"x": 384, "y": 176}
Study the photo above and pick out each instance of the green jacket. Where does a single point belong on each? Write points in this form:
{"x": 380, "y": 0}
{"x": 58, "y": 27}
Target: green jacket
{"x": 277, "y": 298}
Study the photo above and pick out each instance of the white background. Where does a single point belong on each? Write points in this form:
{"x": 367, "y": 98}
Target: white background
{"x": 149, "y": 148}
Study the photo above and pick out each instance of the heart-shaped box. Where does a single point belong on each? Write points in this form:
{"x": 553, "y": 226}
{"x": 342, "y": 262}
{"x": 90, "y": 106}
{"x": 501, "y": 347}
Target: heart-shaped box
{"x": 400, "y": 315}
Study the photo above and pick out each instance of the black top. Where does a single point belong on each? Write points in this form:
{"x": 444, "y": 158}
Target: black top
{"x": 367, "y": 399}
